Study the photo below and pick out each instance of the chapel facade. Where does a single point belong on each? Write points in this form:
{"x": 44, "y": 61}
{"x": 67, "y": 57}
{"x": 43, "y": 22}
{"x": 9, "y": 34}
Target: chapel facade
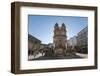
{"x": 60, "y": 40}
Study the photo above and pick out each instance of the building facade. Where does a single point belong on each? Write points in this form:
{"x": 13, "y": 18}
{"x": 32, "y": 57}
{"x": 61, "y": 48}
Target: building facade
{"x": 33, "y": 44}
{"x": 82, "y": 40}
{"x": 60, "y": 40}
{"x": 72, "y": 42}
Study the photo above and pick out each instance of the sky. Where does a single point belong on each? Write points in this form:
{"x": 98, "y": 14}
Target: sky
{"x": 42, "y": 26}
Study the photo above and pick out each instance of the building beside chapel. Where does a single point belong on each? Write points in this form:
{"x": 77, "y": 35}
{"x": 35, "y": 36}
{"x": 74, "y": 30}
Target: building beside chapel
{"x": 72, "y": 42}
{"x": 60, "y": 40}
{"x": 82, "y": 40}
{"x": 33, "y": 44}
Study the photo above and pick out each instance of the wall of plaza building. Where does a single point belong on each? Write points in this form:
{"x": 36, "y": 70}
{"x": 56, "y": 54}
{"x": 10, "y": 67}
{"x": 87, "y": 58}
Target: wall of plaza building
{"x": 33, "y": 44}
{"x": 80, "y": 41}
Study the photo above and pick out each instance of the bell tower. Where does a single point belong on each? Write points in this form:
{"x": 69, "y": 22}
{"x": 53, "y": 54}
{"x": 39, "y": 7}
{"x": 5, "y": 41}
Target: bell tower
{"x": 60, "y": 40}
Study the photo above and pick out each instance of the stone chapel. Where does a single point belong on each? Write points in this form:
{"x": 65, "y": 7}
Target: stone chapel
{"x": 60, "y": 40}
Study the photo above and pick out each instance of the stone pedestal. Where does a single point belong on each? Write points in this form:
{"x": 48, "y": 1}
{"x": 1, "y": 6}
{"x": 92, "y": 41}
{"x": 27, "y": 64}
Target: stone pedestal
{"x": 60, "y": 52}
